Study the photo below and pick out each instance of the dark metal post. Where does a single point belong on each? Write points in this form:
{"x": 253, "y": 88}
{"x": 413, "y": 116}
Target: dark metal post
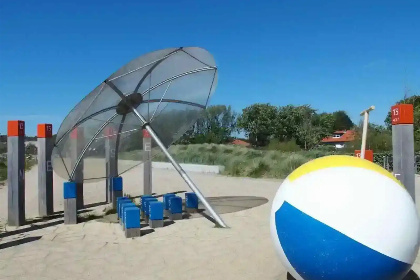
{"x": 77, "y": 144}
{"x": 16, "y": 172}
{"x": 147, "y": 162}
{"x": 403, "y": 146}
{"x": 45, "y": 174}
{"x": 111, "y": 163}
{"x": 70, "y": 203}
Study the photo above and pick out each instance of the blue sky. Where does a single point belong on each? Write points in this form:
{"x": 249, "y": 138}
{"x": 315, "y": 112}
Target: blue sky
{"x": 332, "y": 55}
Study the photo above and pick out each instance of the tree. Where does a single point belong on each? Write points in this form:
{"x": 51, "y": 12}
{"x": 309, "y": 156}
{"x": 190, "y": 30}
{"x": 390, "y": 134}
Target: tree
{"x": 379, "y": 139}
{"x": 215, "y": 126}
{"x": 31, "y": 149}
{"x": 342, "y": 121}
{"x": 326, "y": 121}
{"x": 303, "y": 124}
{"x": 259, "y": 123}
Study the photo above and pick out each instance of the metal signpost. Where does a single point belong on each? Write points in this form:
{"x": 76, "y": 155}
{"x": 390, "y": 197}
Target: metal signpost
{"x": 403, "y": 146}
{"x": 77, "y": 145}
{"x": 365, "y": 113}
{"x": 111, "y": 163}
{"x": 147, "y": 162}
{"x": 45, "y": 174}
{"x": 16, "y": 172}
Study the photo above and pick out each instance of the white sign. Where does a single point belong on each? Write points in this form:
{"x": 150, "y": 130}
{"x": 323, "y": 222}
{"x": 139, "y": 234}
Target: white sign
{"x": 147, "y": 147}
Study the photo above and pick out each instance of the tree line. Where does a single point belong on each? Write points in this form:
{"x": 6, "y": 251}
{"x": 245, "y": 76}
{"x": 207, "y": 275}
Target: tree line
{"x": 292, "y": 127}
{"x": 263, "y": 124}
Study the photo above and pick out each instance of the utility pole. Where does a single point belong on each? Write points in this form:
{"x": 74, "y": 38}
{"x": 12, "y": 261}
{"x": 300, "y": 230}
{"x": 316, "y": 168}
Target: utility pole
{"x": 365, "y": 113}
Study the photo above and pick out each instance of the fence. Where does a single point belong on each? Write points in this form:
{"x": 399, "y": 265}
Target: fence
{"x": 385, "y": 160}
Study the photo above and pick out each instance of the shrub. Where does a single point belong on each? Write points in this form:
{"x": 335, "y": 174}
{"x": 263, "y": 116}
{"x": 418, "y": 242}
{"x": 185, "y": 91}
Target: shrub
{"x": 287, "y": 146}
{"x": 3, "y": 171}
{"x": 259, "y": 169}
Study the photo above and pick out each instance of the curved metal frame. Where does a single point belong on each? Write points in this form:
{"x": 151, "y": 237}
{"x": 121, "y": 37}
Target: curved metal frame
{"x": 145, "y": 123}
{"x": 176, "y": 165}
{"x": 143, "y": 93}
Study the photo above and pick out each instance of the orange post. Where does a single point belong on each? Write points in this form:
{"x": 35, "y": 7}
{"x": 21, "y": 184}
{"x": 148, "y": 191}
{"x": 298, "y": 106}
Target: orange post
{"x": 146, "y": 134}
{"x": 44, "y": 130}
{"x": 402, "y": 114}
{"x": 368, "y": 154}
{"x": 15, "y": 128}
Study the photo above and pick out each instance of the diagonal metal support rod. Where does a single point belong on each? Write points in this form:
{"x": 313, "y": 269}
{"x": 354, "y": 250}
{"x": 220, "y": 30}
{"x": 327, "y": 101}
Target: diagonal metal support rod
{"x": 176, "y": 77}
{"x": 176, "y": 165}
{"x": 152, "y": 68}
{"x": 148, "y": 64}
{"x": 160, "y": 102}
{"x": 174, "y": 101}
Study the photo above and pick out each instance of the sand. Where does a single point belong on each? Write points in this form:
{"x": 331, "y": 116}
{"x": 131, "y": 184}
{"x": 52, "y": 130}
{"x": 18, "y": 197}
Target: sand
{"x": 187, "y": 249}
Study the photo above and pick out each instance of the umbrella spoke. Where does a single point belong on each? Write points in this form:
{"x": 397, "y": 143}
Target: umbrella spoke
{"x": 82, "y": 153}
{"x": 84, "y": 120}
{"x": 161, "y": 100}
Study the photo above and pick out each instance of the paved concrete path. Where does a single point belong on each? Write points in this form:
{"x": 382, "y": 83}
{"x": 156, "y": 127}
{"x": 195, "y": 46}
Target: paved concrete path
{"x": 187, "y": 249}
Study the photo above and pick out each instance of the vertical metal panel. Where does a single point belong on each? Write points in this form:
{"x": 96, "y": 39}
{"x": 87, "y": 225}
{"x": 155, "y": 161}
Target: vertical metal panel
{"x": 111, "y": 166}
{"x": 45, "y": 177}
{"x": 70, "y": 211}
{"x": 147, "y": 163}
{"x": 77, "y": 144}
{"x": 403, "y": 156}
{"x": 16, "y": 180}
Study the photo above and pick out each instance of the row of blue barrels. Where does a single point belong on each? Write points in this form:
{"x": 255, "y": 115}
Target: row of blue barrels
{"x": 152, "y": 211}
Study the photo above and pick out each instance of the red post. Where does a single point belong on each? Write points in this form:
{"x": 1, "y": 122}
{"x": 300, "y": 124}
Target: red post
{"x": 368, "y": 154}
{"x": 402, "y": 114}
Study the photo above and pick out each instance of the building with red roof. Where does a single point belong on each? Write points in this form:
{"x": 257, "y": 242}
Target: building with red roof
{"x": 339, "y": 138}
{"x": 240, "y": 142}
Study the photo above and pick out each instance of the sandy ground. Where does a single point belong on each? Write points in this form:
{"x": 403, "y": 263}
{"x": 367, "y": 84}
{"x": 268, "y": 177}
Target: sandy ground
{"x": 187, "y": 249}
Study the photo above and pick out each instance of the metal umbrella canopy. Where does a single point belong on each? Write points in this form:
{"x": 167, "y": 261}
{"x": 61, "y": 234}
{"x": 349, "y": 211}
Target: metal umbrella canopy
{"x": 164, "y": 92}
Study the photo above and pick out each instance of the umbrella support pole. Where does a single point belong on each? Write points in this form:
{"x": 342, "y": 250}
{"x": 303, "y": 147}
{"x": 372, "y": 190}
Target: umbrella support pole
{"x": 176, "y": 165}
{"x": 185, "y": 176}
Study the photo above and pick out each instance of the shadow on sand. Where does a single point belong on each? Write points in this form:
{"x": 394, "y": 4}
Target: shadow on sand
{"x": 19, "y": 242}
{"x": 228, "y": 204}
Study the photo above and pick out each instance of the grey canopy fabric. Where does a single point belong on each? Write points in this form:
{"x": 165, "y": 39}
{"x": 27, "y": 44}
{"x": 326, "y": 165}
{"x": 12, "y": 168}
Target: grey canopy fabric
{"x": 170, "y": 88}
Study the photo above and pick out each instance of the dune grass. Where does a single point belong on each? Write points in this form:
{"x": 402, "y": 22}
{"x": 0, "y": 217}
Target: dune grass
{"x": 238, "y": 161}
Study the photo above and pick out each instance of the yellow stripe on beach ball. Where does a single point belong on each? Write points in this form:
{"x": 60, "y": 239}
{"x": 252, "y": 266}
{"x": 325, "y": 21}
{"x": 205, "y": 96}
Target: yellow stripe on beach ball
{"x": 339, "y": 161}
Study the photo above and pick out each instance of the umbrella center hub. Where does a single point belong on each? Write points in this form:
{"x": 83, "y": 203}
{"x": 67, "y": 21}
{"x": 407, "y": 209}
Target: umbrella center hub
{"x": 131, "y": 101}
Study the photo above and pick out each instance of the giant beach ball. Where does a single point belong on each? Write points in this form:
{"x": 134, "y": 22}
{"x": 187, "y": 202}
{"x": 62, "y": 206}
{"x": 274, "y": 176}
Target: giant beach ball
{"x": 342, "y": 217}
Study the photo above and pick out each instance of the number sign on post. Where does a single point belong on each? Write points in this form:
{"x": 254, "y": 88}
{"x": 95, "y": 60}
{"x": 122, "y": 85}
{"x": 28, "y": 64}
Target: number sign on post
{"x": 402, "y": 119}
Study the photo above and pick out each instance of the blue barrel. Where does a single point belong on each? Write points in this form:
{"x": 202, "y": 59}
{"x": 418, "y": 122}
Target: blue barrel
{"x": 191, "y": 200}
{"x": 156, "y": 210}
{"x": 166, "y": 198}
{"x": 146, "y": 205}
{"x": 117, "y": 183}
{"x": 69, "y": 190}
{"x": 175, "y": 205}
{"x": 122, "y": 202}
{"x": 131, "y": 217}
{"x": 119, "y": 201}
{"x": 143, "y": 200}
{"x": 123, "y": 206}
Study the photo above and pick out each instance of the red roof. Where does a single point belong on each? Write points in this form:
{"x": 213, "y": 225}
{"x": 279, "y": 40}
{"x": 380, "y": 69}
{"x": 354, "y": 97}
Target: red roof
{"x": 241, "y": 143}
{"x": 347, "y": 136}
